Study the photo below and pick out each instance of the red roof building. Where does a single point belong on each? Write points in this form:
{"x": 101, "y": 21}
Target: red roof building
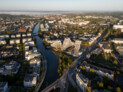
{"x": 22, "y": 30}
{"x": 30, "y": 29}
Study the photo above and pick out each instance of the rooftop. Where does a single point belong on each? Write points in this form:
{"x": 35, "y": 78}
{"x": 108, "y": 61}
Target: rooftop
{"x": 22, "y": 30}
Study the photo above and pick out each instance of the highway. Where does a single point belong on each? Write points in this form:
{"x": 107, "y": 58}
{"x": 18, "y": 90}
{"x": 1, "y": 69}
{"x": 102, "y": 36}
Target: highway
{"x": 62, "y": 82}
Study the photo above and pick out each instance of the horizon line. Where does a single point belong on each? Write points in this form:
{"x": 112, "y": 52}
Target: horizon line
{"x": 61, "y": 11}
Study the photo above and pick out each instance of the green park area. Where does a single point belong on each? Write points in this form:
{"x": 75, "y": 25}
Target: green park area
{"x": 64, "y": 63}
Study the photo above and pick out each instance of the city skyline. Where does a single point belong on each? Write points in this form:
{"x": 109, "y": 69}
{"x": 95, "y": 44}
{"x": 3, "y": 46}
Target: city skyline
{"x": 61, "y": 46}
{"x": 64, "y": 5}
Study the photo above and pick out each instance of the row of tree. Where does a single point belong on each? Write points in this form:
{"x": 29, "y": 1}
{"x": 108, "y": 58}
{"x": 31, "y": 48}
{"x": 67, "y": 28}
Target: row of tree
{"x": 64, "y": 62}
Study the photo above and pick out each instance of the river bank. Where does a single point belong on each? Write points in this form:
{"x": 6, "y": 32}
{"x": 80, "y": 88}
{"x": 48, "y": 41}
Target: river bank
{"x": 43, "y": 74}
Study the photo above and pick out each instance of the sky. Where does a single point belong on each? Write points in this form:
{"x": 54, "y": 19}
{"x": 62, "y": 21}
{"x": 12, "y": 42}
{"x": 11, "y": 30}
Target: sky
{"x": 63, "y": 5}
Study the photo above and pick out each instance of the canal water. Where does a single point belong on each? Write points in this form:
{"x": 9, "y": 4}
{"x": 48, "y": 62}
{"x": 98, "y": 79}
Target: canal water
{"x": 52, "y": 61}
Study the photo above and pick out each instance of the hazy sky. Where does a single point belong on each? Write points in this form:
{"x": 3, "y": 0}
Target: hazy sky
{"x": 79, "y": 5}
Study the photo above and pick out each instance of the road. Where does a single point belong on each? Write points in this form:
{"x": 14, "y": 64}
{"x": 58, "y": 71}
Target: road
{"x": 62, "y": 82}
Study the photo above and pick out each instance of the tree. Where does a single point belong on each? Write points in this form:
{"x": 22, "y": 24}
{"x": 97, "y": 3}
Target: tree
{"x": 107, "y": 35}
{"x": 64, "y": 62}
{"x": 118, "y": 89}
{"x": 105, "y": 56}
{"x": 11, "y": 75}
{"x": 85, "y": 43}
{"x": 92, "y": 73}
{"x": 83, "y": 67}
{"x": 100, "y": 84}
{"x": 106, "y": 80}
{"x": 60, "y": 61}
{"x": 122, "y": 62}
{"x": 112, "y": 55}
{"x": 88, "y": 89}
{"x": 118, "y": 72}
{"x": 32, "y": 89}
{"x": 92, "y": 70}
{"x": 109, "y": 88}
{"x": 115, "y": 62}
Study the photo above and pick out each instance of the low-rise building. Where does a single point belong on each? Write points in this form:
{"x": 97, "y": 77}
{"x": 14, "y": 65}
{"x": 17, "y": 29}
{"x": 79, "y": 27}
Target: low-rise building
{"x": 81, "y": 81}
{"x": 18, "y": 35}
{"x": 23, "y": 35}
{"x": 30, "y": 29}
{"x": 30, "y": 80}
{"x": 22, "y": 30}
{"x": 100, "y": 72}
{"x": 33, "y": 55}
{"x": 118, "y": 26}
{"x": 13, "y": 36}
{"x": 120, "y": 50}
{"x": 2, "y": 42}
{"x": 35, "y": 62}
{"x": 14, "y": 41}
{"x": 11, "y": 67}
{"x": 106, "y": 47}
{"x": 4, "y": 36}
{"x": 30, "y": 43}
{"x": 28, "y": 34}
{"x": 26, "y": 39}
{"x": 118, "y": 40}
{"x": 17, "y": 41}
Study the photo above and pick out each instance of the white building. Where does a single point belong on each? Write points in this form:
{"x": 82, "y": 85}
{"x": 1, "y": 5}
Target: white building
{"x": 23, "y": 35}
{"x": 12, "y": 36}
{"x": 118, "y": 41}
{"x": 14, "y": 41}
{"x": 35, "y": 62}
{"x": 51, "y": 22}
{"x": 17, "y": 41}
{"x": 121, "y": 30}
{"x": 2, "y": 42}
{"x": 18, "y": 35}
{"x": 11, "y": 67}
{"x": 30, "y": 43}
{"x": 33, "y": 55}
{"x": 100, "y": 73}
{"x": 27, "y": 51}
{"x": 77, "y": 48}
{"x": 84, "y": 23}
{"x": 67, "y": 43}
{"x": 120, "y": 50}
{"x": 4, "y": 36}
{"x": 106, "y": 47}
{"x": 118, "y": 26}
{"x": 28, "y": 34}
{"x": 81, "y": 82}
{"x": 24, "y": 40}
{"x": 26, "y": 47}
{"x": 56, "y": 44}
{"x": 30, "y": 80}
{"x": 35, "y": 50}
{"x": 107, "y": 50}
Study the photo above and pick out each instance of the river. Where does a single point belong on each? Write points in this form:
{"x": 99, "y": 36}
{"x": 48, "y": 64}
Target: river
{"x": 52, "y": 61}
